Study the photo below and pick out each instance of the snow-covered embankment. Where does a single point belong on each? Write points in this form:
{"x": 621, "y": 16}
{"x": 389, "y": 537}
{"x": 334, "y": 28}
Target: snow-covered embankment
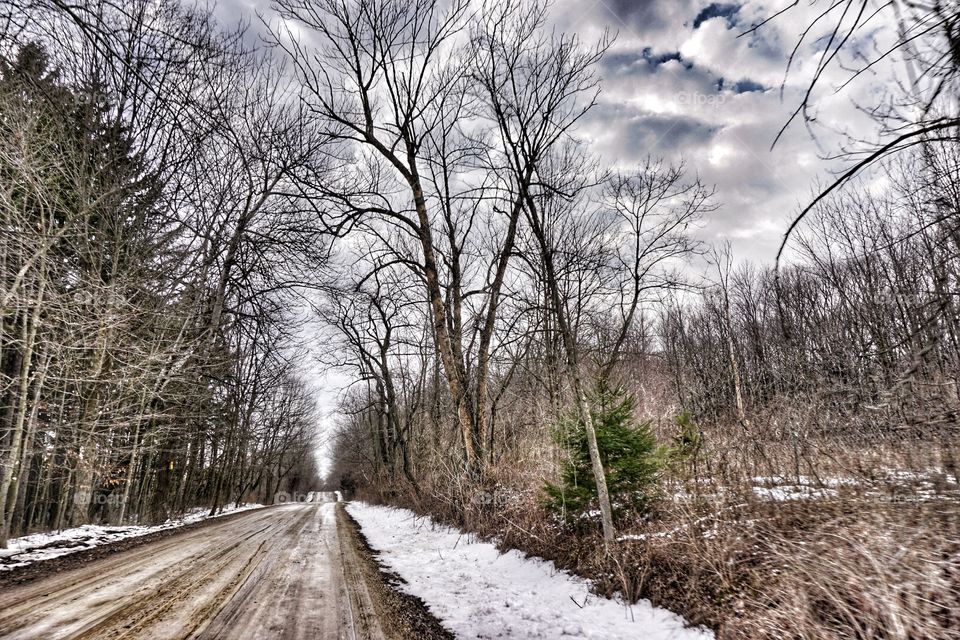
{"x": 36, "y": 547}
{"x": 478, "y": 592}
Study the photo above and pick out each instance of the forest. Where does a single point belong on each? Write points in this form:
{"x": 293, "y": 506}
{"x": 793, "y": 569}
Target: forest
{"x": 540, "y": 346}
{"x": 150, "y": 250}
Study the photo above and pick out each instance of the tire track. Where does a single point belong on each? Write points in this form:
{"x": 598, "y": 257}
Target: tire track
{"x": 276, "y": 573}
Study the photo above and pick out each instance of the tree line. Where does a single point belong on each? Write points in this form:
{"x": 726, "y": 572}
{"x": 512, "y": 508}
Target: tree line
{"x": 853, "y": 345}
{"x": 499, "y": 273}
{"x": 412, "y": 173}
{"x": 154, "y": 231}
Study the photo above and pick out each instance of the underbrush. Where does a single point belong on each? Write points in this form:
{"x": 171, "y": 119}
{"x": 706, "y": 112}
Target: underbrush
{"x": 824, "y": 555}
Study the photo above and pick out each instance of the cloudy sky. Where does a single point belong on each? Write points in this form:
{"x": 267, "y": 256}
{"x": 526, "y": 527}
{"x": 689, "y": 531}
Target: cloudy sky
{"x": 683, "y": 81}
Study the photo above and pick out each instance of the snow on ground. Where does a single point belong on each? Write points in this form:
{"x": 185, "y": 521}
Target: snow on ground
{"x": 805, "y": 481}
{"x": 930, "y": 484}
{"x": 478, "y": 592}
{"x": 682, "y": 527}
{"x": 792, "y": 492}
{"x": 44, "y": 546}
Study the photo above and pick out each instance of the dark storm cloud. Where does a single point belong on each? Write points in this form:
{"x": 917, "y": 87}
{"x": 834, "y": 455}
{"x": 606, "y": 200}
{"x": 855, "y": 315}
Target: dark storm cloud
{"x": 684, "y": 76}
{"x": 657, "y": 59}
{"x": 644, "y": 61}
{"x": 717, "y": 10}
{"x": 644, "y": 16}
{"x": 741, "y": 86}
{"x": 747, "y": 86}
{"x": 658, "y": 134}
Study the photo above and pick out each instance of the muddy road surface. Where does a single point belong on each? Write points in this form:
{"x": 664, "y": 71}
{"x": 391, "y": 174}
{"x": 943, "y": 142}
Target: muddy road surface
{"x": 287, "y": 572}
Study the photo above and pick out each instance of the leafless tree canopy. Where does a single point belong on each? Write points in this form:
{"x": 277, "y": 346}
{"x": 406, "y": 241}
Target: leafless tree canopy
{"x": 402, "y": 189}
{"x": 920, "y": 109}
{"x": 154, "y": 226}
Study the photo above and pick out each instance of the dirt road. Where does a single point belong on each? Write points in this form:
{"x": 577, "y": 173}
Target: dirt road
{"x": 284, "y": 572}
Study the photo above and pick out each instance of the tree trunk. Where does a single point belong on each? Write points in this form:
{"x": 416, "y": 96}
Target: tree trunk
{"x": 11, "y": 464}
{"x": 573, "y": 370}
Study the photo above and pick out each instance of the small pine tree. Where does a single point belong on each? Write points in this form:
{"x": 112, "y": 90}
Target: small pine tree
{"x": 631, "y": 457}
{"x": 685, "y": 446}
{"x": 688, "y": 439}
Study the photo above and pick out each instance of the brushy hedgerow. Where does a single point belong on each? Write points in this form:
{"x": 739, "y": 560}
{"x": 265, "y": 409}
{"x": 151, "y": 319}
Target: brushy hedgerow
{"x": 864, "y": 560}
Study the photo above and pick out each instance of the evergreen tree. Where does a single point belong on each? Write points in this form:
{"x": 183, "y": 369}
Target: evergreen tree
{"x": 686, "y": 446}
{"x": 632, "y": 460}
{"x": 688, "y": 440}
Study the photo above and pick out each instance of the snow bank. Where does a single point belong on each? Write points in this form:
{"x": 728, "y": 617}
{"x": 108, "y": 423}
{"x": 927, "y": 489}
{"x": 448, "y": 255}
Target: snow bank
{"x": 477, "y": 592}
{"x": 44, "y": 546}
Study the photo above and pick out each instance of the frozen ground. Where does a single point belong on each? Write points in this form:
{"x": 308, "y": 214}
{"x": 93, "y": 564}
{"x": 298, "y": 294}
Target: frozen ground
{"x": 44, "y": 546}
{"x": 478, "y": 592}
{"x": 284, "y": 573}
{"x": 884, "y": 485}
{"x": 888, "y": 486}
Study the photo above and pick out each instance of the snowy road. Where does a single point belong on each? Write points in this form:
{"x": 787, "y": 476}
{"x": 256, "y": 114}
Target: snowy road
{"x": 283, "y": 572}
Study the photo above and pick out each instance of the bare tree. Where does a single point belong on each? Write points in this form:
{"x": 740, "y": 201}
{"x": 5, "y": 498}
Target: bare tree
{"x": 920, "y": 111}
{"x": 433, "y": 95}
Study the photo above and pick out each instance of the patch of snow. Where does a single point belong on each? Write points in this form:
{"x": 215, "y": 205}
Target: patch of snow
{"x": 806, "y": 481}
{"x": 682, "y": 527}
{"x": 904, "y": 476}
{"x": 35, "y": 547}
{"x": 792, "y": 492}
{"x": 929, "y": 484}
{"x": 478, "y": 592}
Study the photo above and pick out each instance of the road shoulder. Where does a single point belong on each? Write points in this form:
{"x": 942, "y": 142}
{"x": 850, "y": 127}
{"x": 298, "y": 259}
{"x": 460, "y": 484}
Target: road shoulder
{"x": 402, "y": 616}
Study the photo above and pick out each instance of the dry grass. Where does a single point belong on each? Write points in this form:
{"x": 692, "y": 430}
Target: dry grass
{"x": 877, "y": 559}
{"x": 891, "y": 571}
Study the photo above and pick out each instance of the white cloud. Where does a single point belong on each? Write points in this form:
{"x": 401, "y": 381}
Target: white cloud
{"x": 718, "y": 105}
